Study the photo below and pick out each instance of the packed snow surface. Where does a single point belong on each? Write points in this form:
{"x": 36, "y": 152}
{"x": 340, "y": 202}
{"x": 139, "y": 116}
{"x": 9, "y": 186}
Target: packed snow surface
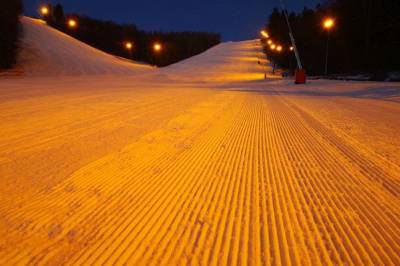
{"x": 231, "y": 61}
{"x": 192, "y": 164}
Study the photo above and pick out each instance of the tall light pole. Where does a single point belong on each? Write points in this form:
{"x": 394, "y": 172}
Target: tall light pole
{"x": 328, "y": 24}
{"x": 129, "y": 46}
{"x": 157, "y": 48}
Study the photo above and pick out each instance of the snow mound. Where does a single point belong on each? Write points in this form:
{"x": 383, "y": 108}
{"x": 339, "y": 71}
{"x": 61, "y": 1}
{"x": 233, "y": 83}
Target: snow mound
{"x": 230, "y": 61}
{"x": 48, "y": 52}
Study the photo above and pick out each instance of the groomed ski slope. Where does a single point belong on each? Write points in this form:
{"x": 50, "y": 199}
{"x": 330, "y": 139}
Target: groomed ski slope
{"x": 221, "y": 63}
{"x": 155, "y": 169}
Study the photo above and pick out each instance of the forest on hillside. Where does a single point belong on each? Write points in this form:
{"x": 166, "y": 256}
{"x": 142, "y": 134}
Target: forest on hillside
{"x": 9, "y": 31}
{"x": 112, "y": 38}
{"x": 364, "y": 39}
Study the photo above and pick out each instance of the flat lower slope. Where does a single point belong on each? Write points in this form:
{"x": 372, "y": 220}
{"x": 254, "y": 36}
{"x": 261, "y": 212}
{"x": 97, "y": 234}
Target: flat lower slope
{"x": 46, "y": 52}
{"x": 122, "y": 173}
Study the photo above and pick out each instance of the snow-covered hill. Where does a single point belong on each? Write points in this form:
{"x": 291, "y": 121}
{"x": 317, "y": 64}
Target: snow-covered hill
{"x": 48, "y": 52}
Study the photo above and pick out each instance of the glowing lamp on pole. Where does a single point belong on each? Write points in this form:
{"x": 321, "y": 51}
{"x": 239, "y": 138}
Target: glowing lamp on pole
{"x": 157, "y": 47}
{"x": 72, "y": 23}
{"x": 327, "y": 24}
{"x": 264, "y": 34}
{"x": 129, "y": 46}
{"x": 44, "y": 11}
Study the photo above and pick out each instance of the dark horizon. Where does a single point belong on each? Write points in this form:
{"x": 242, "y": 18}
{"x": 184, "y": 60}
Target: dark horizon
{"x": 234, "y": 20}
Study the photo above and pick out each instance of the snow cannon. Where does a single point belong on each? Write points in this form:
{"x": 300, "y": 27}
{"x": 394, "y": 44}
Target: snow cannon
{"x": 300, "y": 76}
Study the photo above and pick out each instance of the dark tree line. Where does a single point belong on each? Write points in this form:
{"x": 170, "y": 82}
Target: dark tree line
{"x": 110, "y": 37}
{"x": 9, "y": 31}
{"x": 365, "y": 39}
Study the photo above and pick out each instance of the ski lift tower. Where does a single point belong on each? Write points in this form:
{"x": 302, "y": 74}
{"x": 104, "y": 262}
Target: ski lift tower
{"x": 300, "y": 73}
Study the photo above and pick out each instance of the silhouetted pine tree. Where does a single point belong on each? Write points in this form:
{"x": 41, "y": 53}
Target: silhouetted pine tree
{"x": 58, "y": 16}
{"x": 9, "y": 31}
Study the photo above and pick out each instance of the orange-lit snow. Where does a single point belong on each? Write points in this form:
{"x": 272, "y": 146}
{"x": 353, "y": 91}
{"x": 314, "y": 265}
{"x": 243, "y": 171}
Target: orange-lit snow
{"x": 231, "y": 61}
{"x": 202, "y": 162}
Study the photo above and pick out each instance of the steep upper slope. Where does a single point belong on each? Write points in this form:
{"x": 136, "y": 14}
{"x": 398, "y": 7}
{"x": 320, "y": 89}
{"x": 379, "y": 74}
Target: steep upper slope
{"x": 48, "y": 52}
{"x": 230, "y": 61}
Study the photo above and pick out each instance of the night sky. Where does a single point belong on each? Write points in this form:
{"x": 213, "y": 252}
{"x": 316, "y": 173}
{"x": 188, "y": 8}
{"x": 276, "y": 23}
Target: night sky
{"x": 234, "y": 19}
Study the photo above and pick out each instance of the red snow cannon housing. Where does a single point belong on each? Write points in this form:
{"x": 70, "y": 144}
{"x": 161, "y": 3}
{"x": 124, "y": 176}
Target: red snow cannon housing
{"x": 300, "y": 76}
